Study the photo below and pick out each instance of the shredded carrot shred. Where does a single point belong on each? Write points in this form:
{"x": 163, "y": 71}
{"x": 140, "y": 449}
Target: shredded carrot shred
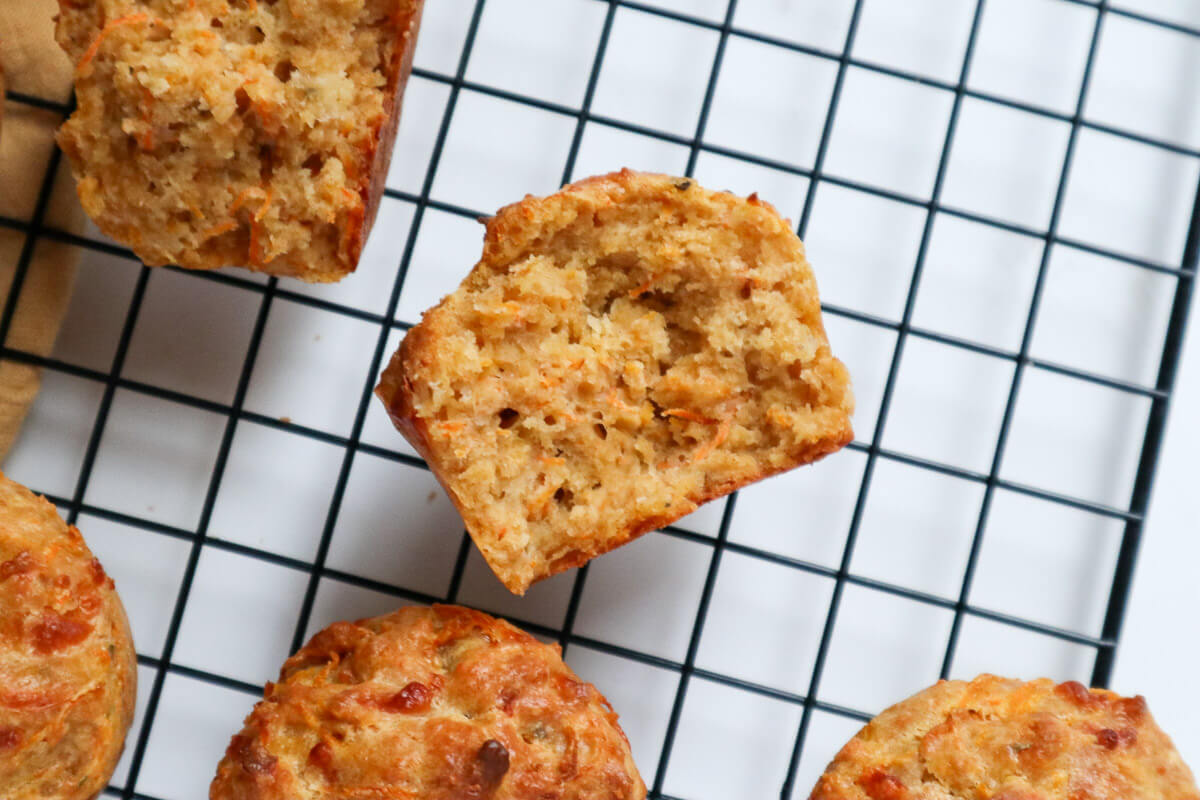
{"x": 691, "y": 416}
{"x": 240, "y": 200}
{"x": 537, "y": 504}
{"x": 146, "y": 140}
{"x": 552, "y": 460}
{"x": 613, "y": 400}
{"x": 716, "y": 441}
{"x": 638, "y": 291}
{"x": 451, "y": 427}
{"x": 217, "y": 230}
{"x": 262, "y": 210}
{"x": 94, "y": 47}
{"x": 255, "y": 252}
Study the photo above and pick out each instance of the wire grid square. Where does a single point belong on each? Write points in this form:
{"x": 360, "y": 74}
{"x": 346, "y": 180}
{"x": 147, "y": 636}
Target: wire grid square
{"x": 883, "y": 647}
{"x": 1005, "y": 163}
{"x": 793, "y": 600}
{"x": 978, "y": 282}
{"x": 537, "y": 48}
{"x": 731, "y": 741}
{"x": 948, "y": 404}
{"x": 926, "y": 37}
{"x": 1045, "y": 65}
{"x": 916, "y": 529}
{"x": 190, "y": 336}
{"x": 241, "y": 615}
{"x": 687, "y": 700}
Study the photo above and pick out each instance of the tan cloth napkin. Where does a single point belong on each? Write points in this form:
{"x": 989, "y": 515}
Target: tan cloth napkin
{"x": 35, "y": 66}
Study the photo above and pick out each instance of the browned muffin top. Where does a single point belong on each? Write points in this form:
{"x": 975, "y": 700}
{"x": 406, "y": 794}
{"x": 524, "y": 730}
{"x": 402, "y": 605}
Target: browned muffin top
{"x": 67, "y": 665}
{"x": 439, "y": 703}
{"x": 1000, "y": 739}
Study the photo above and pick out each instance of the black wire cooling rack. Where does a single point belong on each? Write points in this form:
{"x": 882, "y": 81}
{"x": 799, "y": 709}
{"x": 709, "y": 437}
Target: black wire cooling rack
{"x": 1132, "y": 516}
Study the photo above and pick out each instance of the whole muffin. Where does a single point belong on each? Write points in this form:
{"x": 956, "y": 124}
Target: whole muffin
{"x": 440, "y": 703}
{"x": 1000, "y": 739}
{"x": 67, "y": 665}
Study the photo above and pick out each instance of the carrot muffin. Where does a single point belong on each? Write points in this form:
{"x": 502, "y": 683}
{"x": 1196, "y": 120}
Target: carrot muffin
{"x": 439, "y": 703}
{"x": 254, "y": 133}
{"x": 999, "y": 739}
{"x": 67, "y": 665}
{"x": 625, "y": 350}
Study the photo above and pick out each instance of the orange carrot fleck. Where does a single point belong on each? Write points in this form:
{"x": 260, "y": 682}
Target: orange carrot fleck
{"x": 217, "y": 230}
{"x": 613, "y": 400}
{"x": 255, "y": 251}
{"x": 94, "y": 47}
{"x": 537, "y": 504}
{"x": 716, "y": 441}
{"x": 262, "y": 210}
{"x": 146, "y": 140}
{"x": 240, "y": 200}
{"x": 451, "y": 427}
{"x": 691, "y": 416}
{"x": 641, "y": 290}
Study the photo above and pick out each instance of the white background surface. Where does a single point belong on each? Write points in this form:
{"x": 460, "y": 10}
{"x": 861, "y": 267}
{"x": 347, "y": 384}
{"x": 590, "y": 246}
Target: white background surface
{"x": 395, "y": 534}
{"x": 1160, "y": 645}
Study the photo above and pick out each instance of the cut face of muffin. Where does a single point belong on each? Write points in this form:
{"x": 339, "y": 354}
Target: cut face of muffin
{"x": 440, "y": 703}
{"x": 625, "y": 350}
{"x": 241, "y": 132}
{"x": 1008, "y": 740}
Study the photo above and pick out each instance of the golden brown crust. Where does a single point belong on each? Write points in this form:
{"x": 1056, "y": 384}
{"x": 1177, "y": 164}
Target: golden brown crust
{"x": 440, "y": 703}
{"x": 385, "y": 140}
{"x": 67, "y": 665}
{"x": 815, "y": 403}
{"x": 1000, "y": 739}
{"x": 213, "y": 133}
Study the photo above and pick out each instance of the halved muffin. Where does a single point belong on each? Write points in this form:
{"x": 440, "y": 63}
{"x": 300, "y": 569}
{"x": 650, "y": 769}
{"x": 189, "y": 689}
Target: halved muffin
{"x": 626, "y": 349}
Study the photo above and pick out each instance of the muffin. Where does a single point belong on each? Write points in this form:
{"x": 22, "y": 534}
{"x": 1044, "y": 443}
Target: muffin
{"x": 254, "y": 133}
{"x": 440, "y": 703}
{"x": 67, "y": 665}
{"x": 1000, "y": 739}
{"x": 625, "y": 350}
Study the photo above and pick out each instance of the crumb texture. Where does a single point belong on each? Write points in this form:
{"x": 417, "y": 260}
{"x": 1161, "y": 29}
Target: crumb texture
{"x": 625, "y": 350}
{"x": 440, "y": 703}
{"x": 1000, "y": 739}
{"x": 67, "y": 664}
{"x": 236, "y": 132}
